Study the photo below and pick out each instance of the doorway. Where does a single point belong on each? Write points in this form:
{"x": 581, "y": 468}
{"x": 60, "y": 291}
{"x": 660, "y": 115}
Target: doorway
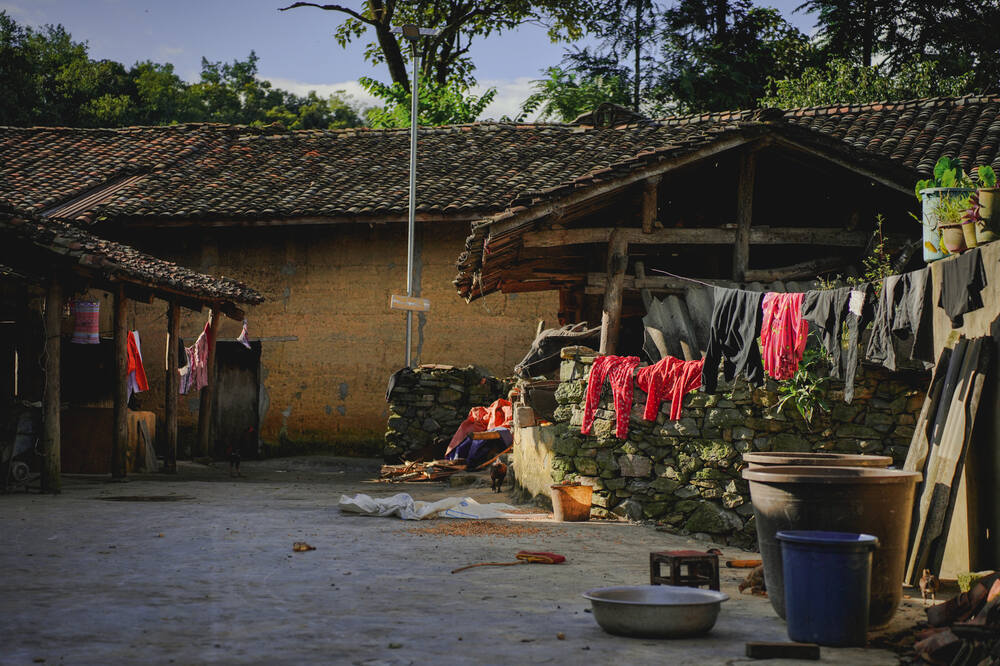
{"x": 237, "y": 398}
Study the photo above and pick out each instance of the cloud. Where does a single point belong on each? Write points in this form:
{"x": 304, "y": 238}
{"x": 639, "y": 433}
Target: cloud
{"x": 357, "y": 95}
{"x": 35, "y": 16}
{"x": 165, "y": 51}
{"x": 511, "y": 94}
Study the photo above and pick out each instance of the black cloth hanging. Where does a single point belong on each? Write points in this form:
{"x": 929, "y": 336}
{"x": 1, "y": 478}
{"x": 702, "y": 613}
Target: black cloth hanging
{"x": 736, "y": 319}
{"x": 962, "y": 280}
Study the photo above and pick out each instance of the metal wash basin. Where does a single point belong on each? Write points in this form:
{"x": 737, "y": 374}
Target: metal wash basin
{"x": 655, "y": 611}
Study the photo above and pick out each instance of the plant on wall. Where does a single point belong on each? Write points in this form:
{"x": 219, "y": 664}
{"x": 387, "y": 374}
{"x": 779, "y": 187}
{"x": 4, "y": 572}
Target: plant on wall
{"x": 806, "y": 390}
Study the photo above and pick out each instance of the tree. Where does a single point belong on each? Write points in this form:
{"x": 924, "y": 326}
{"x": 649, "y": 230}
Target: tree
{"x": 841, "y": 82}
{"x": 854, "y": 30}
{"x": 718, "y": 54}
{"x": 564, "y": 95}
{"x": 447, "y": 104}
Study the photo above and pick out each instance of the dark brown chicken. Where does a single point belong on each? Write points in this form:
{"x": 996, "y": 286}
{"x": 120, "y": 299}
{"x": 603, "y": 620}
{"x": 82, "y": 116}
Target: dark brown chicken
{"x": 498, "y": 472}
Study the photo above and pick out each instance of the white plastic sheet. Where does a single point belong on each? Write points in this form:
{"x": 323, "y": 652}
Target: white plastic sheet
{"x": 407, "y": 508}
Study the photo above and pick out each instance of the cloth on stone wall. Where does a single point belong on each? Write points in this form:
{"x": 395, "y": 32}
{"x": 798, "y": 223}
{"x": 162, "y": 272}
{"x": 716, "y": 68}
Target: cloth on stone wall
{"x": 783, "y": 334}
{"x": 136, "y": 372}
{"x": 962, "y": 280}
{"x": 498, "y": 415}
{"x": 87, "y": 324}
{"x": 668, "y": 379}
{"x": 736, "y": 321}
{"x": 618, "y": 370}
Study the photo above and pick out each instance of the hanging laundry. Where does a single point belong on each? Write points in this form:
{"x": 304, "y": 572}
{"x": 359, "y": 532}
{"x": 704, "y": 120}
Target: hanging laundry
{"x": 825, "y": 311}
{"x": 783, "y": 334}
{"x": 136, "y": 372}
{"x": 244, "y": 336}
{"x": 88, "y": 321}
{"x": 736, "y": 320}
{"x": 184, "y": 371}
{"x": 618, "y": 370}
{"x": 880, "y": 347}
{"x": 859, "y": 314}
{"x": 915, "y": 315}
{"x": 962, "y": 280}
{"x": 197, "y": 366}
{"x": 668, "y": 379}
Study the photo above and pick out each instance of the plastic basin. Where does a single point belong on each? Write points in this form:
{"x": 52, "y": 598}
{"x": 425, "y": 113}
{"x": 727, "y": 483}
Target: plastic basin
{"x": 836, "y": 499}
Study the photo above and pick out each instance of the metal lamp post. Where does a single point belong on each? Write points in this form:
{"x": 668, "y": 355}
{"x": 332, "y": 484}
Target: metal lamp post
{"x": 412, "y": 34}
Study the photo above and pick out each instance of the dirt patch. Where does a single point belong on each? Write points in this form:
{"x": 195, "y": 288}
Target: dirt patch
{"x": 480, "y": 528}
{"x": 145, "y": 498}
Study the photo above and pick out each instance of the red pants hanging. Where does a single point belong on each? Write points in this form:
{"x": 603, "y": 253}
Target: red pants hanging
{"x": 783, "y": 334}
{"x": 668, "y": 379}
{"x": 618, "y": 370}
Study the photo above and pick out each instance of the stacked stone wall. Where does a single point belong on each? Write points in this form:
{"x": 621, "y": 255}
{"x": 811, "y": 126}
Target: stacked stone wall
{"x": 685, "y": 474}
{"x": 430, "y": 403}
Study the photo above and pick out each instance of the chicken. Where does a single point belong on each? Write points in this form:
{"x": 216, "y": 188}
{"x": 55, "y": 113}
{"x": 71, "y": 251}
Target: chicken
{"x": 498, "y": 472}
{"x": 928, "y": 586}
{"x": 754, "y": 582}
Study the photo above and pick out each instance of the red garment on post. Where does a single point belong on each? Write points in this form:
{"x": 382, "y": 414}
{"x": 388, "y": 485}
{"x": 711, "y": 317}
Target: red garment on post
{"x": 498, "y": 415}
{"x": 135, "y": 364}
{"x": 783, "y": 334}
{"x": 668, "y": 379}
{"x": 618, "y": 370}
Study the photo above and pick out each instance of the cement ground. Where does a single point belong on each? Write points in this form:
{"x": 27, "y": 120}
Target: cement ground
{"x": 211, "y": 578}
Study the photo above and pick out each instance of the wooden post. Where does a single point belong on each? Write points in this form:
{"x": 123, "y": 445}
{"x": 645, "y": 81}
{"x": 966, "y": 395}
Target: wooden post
{"x": 52, "y": 467}
{"x": 207, "y": 404}
{"x": 172, "y": 386}
{"x": 744, "y": 216}
{"x": 611, "y": 317}
{"x": 119, "y": 436}
{"x": 649, "y": 204}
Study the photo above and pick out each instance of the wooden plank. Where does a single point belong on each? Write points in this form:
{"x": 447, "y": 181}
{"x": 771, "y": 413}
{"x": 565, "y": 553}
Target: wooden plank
{"x": 119, "y": 435}
{"x": 804, "y": 269}
{"x": 51, "y": 396}
{"x": 825, "y": 236}
{"x": 649, "y": 204}
{"x": 744, "y": 215}
{"x": 207, "y": 404}
{"x": 518, "y": 287}
{"x": 758, "y": 235}
{"x": 611, "y": 315}
{"x": 172, "y": 386}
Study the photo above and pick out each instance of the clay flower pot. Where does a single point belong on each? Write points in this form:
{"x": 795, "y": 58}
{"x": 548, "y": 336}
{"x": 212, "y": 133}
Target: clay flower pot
{"x": 989, "y": 215}
{"x": 953, "y": 237}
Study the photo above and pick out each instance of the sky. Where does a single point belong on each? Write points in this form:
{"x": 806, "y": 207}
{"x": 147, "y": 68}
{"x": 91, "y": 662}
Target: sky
{"x": 296, "y": 48}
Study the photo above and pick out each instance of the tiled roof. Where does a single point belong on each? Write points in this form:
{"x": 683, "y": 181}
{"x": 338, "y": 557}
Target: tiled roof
{"x": 115, "y": 261}
{"x": 217, "y": 172}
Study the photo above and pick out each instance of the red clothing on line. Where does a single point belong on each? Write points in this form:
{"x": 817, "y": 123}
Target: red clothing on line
{"x": 783, "y": 334}
{"x": 618, "y": 370}
{"x": 668, "y": 379}
{"x": 135, "y": 364}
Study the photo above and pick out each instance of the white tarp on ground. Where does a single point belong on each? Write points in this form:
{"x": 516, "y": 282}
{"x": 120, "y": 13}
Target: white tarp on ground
{"x": 407, "y": 508}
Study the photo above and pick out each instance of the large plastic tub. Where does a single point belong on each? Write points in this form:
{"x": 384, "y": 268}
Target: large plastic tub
{"x": 827, "y": 584}
{"x": 836, "y": 499}
{"x": 774, "y": 458}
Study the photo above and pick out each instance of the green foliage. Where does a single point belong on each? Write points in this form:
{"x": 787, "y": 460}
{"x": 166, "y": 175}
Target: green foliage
{"x": 565, "y": 95}
{"x": 948, "y": 172}
{"x": 48, "y": 79}
{"x": 986, "y": 177}
{"x": 806, "y": 390}
{"x": 953, "y": 209}
{"x": 447, "y": 104}
{"x": 876, "y": 265}
{"x": 842, "y": 82}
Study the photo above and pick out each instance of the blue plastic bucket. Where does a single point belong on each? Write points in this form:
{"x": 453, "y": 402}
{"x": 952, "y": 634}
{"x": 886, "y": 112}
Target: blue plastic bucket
{"x": 827, "y": 580}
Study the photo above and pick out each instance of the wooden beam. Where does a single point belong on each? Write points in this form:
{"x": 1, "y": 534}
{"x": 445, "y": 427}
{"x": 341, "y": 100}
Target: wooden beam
{"x": 207, "y": 406}
{"x": 119, "y": 434}
{"x": 51, "y": 397}
{"x": 804, "y": 269}
{"x": 597, "y": 283}
{"x": 611, "y": 315}
{"x": 759, "y": 235}
{"x": 649, "y": 204}
{"x": 172, "y": 386}
{"x": 744, "y": 215}
{"x": 516, "y": 287}
{"x": 640, "y": 274}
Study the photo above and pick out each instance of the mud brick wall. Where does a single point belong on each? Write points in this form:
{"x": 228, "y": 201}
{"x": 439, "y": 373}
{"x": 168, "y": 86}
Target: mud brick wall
{"x": 431, "y": 403}
{"x": 685, "y": 474}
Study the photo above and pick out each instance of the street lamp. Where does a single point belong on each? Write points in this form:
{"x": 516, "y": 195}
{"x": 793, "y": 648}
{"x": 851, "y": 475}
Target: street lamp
{"x": 412, "y": 34}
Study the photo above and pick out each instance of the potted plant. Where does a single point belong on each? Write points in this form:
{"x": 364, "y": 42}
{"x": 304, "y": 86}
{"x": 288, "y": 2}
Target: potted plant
{"x": 986, "y": 205}
{"x": 949, "y": 182}
{"x": 955, "y": 223}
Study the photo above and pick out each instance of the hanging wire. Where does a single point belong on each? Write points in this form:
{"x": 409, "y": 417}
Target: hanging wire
{"x": 477, "y": 281}
{"x": 681, "y": 277}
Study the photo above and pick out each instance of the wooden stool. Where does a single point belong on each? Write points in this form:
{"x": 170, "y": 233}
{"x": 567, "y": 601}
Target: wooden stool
{"x": 701, "y": 568}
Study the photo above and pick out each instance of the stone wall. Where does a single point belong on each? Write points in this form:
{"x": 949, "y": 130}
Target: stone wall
{"x": 430, "y": 403}
{"x": 685, "y": 474}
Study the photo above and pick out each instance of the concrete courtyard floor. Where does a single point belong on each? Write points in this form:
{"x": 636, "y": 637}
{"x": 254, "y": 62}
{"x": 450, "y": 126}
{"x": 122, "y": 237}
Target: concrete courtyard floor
{"x": 212, "y": 578}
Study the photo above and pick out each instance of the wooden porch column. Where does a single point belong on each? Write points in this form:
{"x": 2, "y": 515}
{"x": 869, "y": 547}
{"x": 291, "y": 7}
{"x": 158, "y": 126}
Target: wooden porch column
{"x": 119, "y": 436}
{"x": 172, "y": 385}
{"x": 649, "y": 204}
{"x": 52, "y": 466}
{"x": 207, "y": 404}
{"x": 611, "y": 317}
{"x": 744, "y": 215}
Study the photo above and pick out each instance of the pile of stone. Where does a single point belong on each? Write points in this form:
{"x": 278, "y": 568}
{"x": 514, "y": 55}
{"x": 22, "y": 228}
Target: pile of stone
{"x": 685, "y": 474}
{"x": 428, "y": 404}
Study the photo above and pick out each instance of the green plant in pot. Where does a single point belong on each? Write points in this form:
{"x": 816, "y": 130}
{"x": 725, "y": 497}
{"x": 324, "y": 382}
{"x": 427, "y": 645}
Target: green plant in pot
{"x": 955, "y": 222}
{"x": 986, "y": 205}
{"x": 949, "y": 182}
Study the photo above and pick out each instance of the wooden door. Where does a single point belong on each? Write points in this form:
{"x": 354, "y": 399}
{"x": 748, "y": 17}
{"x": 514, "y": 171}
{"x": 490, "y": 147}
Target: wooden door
{"x": 237, "y": 399}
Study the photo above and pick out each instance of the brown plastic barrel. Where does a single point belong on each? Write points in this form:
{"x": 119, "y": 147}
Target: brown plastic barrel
{"x": 865, "y": 500}
{"x": 760, "y": 459}
{"x": 571, "y": 503}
